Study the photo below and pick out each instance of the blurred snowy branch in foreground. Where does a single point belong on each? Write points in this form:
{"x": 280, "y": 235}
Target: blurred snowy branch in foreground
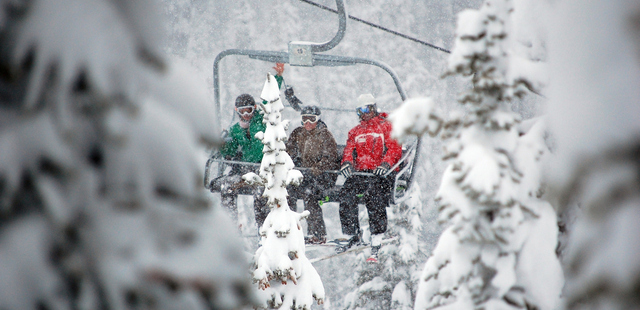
{"x": 594, "y": 109}
{"x": 101, "y": 204}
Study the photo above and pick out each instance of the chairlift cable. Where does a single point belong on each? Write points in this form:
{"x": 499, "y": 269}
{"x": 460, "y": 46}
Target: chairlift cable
{"x": 398, "y": 34}
{"x": 379, "y": 27}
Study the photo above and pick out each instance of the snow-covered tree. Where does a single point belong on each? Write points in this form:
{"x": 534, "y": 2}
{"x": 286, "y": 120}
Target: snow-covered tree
{"x": 498, "y": 251}
{"x": 407, "y": 255}
{"x": 101, "y": 201}
{"x": 594, "y": 56}
{"x": 392, "y": 283}
{"x": 282, "y": 269}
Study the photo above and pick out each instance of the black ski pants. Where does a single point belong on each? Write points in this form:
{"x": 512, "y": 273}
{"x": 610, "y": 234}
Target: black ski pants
{"x": 260, "y": 208}
{"x": 376, "y": 192}
{"x": 311, "y": 191}
{"x": 229, "y": 195}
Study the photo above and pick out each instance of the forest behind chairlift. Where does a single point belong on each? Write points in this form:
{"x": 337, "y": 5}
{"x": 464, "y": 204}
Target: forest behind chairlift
{"x": 306, "y": 54}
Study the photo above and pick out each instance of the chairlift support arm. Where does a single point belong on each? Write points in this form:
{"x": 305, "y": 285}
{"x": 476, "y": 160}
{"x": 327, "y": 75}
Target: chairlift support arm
{"x": 318, "y": 60}
{"x": 283, "y": 57}
{"x": 305, "y": 54}
{"x": 342, "y": 29}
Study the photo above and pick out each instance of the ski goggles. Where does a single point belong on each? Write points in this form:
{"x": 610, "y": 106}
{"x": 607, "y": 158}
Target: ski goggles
{"x": 309, "y": 118}
{"x": 364, "y": 109}
{"x": 248, "y": 110}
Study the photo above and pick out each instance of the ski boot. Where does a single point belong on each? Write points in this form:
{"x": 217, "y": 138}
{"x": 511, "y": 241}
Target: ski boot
{"x": 376, "y": 243}
{"x": 352, "y": 241}
{"x": 373, "y": 258}
{"x": 315, "y": 240}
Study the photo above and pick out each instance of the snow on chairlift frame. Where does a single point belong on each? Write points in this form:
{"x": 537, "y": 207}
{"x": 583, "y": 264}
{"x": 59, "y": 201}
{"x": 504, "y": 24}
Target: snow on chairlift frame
{"x": 305, "y": 54}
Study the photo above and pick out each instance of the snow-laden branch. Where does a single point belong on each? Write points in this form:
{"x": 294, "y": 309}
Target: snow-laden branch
{"x": 593, "y": 114}
{"x": 490, "y": 191}
{"x": 416, "y": 116}
{"x": 99, "y": 144}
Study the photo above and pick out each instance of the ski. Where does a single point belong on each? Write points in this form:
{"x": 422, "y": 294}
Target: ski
{"x": 329, "y": 244}
{"x": 334, "y": 242}
{"x": 353, "y": 249}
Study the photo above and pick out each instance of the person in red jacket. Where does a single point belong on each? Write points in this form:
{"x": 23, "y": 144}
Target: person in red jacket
{"x": 369, "y": 148}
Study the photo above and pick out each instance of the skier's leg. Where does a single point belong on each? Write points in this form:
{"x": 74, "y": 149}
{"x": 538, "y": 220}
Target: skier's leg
{"x": 228, "y": 200}
{"x": 315, "y": 221}
{"x": 377, "y": 199}
{"x": 294, "y": 195}
{"x": 349, "y": 207}
{"x": 349, "y": 211}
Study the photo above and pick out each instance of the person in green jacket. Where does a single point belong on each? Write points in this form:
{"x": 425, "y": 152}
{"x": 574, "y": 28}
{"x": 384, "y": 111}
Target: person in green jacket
{"x": 242, "y": 145}
{"x": 240, "y": 142}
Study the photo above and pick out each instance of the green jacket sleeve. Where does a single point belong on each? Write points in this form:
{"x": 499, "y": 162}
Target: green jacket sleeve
{"x": 230, "y": 147}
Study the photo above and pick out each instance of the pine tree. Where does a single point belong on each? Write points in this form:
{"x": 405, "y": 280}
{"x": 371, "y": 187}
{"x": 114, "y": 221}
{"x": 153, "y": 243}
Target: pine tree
{"x": 282, "y": 270}
{"x": 101, "y": 201}
{"x": 404, "y": 268}
{"x": 498, "y": 250}
{"x": 392, "y": 283}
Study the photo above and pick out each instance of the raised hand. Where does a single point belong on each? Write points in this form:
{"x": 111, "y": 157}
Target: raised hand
{"x": 279, "y": 67}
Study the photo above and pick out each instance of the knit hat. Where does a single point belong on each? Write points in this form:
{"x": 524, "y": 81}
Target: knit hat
{"x": 245, "y": 100}
{"x": 310, "y": 110}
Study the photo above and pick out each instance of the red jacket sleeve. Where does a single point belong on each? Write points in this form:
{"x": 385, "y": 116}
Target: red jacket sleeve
{"x": 394, "y": 150}
{"x": 347, "y": 155}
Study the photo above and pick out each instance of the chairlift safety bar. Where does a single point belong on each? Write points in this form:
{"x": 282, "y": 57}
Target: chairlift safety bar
{"x": 403, "y": 159}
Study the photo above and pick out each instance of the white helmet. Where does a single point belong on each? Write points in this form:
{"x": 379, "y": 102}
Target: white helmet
{"x": 366, "y": 103}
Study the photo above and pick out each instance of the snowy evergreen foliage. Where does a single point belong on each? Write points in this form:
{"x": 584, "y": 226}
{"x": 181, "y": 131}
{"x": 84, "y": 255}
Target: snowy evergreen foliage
{"x": 498, "y": 251}
{"x": 594, "y": 108}
{"x": 101, "y": 201}
{"x": 282, "y": 270}
{"x": 392, "y": 282}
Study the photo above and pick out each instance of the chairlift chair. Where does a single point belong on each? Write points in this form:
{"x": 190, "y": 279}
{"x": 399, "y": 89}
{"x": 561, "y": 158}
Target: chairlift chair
{"x": 307, "y": 54}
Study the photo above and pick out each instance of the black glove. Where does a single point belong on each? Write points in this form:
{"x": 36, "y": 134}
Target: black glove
{"x": 288, "y": 93}
{"x": 294, "y": 102}
{"x": 346, "y": 170}
{"x": 382, "y": 169}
